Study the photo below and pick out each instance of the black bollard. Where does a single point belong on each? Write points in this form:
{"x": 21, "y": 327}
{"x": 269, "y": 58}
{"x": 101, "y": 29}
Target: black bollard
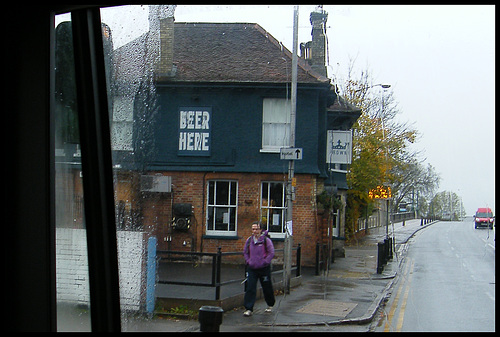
{"x": 210, "y": 318}
{"x": 380, "y": 257}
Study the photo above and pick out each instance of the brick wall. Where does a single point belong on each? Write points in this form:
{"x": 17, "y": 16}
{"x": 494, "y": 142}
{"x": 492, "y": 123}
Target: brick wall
{"x": 72, "y": 267}
{"x": 190, "y": 187}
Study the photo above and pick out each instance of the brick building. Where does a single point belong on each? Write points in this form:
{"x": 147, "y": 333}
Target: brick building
{"x": 199, "y": 114}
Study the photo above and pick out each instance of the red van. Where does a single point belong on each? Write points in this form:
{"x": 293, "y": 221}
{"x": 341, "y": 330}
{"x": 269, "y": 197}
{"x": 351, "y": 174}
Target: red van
{"x": 484, "y": 218}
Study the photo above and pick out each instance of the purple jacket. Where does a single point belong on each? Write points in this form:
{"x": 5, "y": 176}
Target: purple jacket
{"x": 258, "y": 255}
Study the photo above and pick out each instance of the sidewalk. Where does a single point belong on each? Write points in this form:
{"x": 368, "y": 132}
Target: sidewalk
{"x": 346, "y": 298}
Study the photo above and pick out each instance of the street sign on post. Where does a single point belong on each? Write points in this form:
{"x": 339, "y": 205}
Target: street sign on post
{"x": 382, "y": 192}
{"x": 291, "y": 153}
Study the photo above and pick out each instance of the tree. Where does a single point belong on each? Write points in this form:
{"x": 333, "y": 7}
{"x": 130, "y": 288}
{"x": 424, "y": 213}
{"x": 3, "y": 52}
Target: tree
{"x": 446, "y": 205}
{"x": 382, "y": 154}
{"x": 413, "y": 178}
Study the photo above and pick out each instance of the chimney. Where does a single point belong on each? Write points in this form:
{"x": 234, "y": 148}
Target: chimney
{"x": 161, "y": 19}
{"x": 318, "y": 44}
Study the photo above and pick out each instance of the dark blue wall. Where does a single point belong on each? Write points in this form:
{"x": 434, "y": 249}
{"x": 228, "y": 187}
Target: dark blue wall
{"x": 236, "y": 129}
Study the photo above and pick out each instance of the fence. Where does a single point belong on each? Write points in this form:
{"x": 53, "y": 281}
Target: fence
{"x": 380, "y": 219}
{"x": 217, "y": 267}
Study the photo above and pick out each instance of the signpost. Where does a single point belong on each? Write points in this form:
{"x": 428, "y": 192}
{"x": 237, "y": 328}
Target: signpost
{"x": 291, "y": 153}
{"x": 295, "y": 154}
{"x": 382, "y": 192}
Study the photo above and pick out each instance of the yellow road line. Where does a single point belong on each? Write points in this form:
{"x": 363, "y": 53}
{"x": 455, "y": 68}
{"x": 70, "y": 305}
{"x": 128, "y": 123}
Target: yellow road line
{"x": 395, "y": 302}
{"x": 401, "y": 316}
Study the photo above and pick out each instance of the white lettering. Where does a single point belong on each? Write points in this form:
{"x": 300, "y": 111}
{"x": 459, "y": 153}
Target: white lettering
{"x": 190, "y": 119}
{"x": 194, "y": 141}
{"x": 197, "y": 119}
{"x": 194, "y": 120}
{"x": 197, "y": 141}
{"x": 206, "y": 118}
{"x": 190, "y": 136}
{"x": 182, "y": 141}
{"x": 183, "y": 122}
{"x": 206, "y": 138}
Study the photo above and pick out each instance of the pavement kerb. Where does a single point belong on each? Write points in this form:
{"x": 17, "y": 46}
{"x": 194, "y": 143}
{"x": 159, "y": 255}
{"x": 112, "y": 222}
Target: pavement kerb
{"x": 367, "y": 318}
{"x": 372, "y": 310}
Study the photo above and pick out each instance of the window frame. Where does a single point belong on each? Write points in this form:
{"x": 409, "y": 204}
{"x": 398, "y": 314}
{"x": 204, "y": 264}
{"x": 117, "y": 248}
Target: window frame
{"x": 284, "y": 121}
{"x": 214, "y": 206}
{"x": 95, "y": 140}
{"x": 268, "y": 208}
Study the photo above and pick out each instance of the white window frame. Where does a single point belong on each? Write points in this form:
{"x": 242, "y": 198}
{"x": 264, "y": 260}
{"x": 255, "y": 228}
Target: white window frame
{"x": 266, "y": 209}
{"x": 213, "y": 207}
{"x": 276, "y": 124}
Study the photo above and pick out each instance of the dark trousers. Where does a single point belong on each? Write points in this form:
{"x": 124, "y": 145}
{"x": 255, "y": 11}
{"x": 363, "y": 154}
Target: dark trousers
{"x": 264, "y": 275}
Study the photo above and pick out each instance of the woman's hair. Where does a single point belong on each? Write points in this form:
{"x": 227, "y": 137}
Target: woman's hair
{"x": 261, "y": 225}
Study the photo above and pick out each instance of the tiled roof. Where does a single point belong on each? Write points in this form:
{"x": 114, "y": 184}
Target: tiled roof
{"x": 218, "y": 52}
{"x": 234, "y": 52}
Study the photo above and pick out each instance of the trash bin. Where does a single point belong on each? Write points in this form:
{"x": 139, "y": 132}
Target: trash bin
{"x": 210, "y": 318}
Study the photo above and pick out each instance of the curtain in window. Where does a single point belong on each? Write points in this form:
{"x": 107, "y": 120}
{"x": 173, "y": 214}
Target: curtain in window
{"x": 275, "y": 123}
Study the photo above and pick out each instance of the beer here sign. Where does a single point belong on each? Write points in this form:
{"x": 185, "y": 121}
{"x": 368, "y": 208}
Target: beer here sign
{"x": 194, "y": 131}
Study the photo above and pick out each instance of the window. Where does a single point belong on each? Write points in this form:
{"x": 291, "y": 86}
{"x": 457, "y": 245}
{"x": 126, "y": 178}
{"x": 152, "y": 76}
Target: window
{"x": 275, "y": 124}
{"x": 222, "y": 207}
{"x": 72, "y": 269}
{"x": 272, "y": 206}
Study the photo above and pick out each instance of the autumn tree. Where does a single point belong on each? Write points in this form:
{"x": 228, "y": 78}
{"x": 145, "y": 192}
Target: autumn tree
{"x": 382, "y": 154}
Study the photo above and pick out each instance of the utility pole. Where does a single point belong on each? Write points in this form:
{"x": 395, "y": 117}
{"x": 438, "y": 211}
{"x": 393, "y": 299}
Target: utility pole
{"x": 287, "y": 263}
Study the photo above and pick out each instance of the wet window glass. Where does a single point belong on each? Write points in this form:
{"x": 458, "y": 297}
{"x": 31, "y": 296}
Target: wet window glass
{"x": 275, "y": 123}
{"x": 201, "y": 105}
{"x": 273, "y": 206}
{"x": 186, "y": 155}
{"x": 72, "y": 285}
{"x": 221, "y": 215}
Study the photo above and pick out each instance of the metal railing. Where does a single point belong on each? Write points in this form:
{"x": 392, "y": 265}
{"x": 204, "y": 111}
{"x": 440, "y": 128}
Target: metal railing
{"x": 380, "y": 220}
{"x": 217, "y": 268}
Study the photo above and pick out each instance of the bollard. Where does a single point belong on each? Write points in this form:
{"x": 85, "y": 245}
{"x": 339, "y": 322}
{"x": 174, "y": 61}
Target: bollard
{"x": 390, "y": 249}
{"x": 386, "y": 250}
{"x": 380, "y": 257}
{"x": 210, "y": 318}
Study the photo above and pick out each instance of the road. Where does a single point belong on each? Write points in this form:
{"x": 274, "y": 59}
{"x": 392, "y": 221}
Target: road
{"x": 446, "y": 283}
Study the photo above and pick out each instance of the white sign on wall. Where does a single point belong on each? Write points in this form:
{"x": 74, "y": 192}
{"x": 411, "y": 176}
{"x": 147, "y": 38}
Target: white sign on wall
{"x": 339, "y": 147}
{"x": 194, "y": 131}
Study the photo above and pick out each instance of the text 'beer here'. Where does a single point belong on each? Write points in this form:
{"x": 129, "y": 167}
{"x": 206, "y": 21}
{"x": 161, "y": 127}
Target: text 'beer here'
{"x": 194, "y": 131}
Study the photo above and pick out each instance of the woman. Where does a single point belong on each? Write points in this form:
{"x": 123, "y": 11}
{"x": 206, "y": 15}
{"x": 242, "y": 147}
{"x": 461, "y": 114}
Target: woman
{"x": 258, "y": 253}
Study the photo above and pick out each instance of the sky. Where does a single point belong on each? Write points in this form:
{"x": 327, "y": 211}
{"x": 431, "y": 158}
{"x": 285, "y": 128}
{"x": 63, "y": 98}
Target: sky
{"x": 439, "y": 61}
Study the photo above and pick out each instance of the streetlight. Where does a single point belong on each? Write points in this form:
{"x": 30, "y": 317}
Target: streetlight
{"x": 383, "y": 86}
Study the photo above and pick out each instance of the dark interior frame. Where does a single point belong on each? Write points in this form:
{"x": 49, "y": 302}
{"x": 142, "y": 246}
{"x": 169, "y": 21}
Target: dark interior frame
{"x": 29, "y": 252}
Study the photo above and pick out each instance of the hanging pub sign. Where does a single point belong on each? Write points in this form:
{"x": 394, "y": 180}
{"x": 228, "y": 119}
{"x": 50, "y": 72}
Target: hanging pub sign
{"x": 339, "y": 147}
{"x": 194, "y": 131}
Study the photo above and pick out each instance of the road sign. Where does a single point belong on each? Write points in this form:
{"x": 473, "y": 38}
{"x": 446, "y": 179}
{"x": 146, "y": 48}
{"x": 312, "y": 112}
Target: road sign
{"x": 291, "y": 153}
{"x": 381, "y": 192}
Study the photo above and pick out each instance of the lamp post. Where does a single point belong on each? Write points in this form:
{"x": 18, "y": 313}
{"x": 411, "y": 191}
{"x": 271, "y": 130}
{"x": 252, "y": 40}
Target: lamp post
{"x": 385, "y": 86}
{"x": 287, "y": 263}
{"x": 380, "y": 115}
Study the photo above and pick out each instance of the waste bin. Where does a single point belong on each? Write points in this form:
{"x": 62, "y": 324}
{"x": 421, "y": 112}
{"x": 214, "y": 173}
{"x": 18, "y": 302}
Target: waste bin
{"x": 210, "y": 318}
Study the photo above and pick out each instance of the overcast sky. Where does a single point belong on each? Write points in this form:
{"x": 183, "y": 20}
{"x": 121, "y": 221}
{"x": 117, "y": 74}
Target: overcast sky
{"x": 439, "y": 61}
